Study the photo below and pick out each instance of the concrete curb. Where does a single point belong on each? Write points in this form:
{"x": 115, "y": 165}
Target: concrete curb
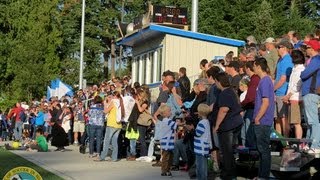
{"x": 44, "y": 166}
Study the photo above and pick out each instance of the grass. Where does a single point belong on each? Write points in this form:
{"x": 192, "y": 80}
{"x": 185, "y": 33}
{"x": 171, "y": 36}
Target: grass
{"x": 9, "y": 160}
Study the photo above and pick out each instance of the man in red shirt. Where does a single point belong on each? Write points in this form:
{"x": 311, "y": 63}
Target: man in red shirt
{"x": 247, "y": 134}
{"x": 16, "y": 113}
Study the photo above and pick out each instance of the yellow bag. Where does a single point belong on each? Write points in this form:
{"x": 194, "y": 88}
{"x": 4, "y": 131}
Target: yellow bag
{"x": 132, "y": 134}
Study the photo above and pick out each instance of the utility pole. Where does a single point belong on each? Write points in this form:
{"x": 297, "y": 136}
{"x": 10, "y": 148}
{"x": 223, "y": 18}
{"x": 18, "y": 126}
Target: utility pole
{"x": 82, "y": 45}
{"x": 194, "y": 18}
{"x": 113, "y": 58}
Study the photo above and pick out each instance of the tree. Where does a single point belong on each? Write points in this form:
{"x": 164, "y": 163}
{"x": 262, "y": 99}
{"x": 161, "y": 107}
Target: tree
{"x": 263, "y": 22}
{"x": 31, "y": 37}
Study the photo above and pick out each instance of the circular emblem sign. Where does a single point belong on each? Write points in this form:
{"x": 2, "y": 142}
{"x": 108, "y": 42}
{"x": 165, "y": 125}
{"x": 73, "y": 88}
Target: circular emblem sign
{"x": 22, "y": 173}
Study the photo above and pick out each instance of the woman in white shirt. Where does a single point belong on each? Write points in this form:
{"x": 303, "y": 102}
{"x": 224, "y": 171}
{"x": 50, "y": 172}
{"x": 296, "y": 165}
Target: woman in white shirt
{"x": 293, "y": 97}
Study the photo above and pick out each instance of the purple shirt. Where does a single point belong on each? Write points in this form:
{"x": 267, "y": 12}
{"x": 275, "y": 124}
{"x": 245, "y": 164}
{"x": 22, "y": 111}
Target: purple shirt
{"x": 265, "y": 90}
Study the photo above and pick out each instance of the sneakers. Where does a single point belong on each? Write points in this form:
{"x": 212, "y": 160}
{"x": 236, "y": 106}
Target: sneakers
{"x": 175, "y": 168}
{"x": 313, "y": 151}
{"x": 166, "y": 174}
{"x": 131, "y": 158}
{"x": 157, "y": 164}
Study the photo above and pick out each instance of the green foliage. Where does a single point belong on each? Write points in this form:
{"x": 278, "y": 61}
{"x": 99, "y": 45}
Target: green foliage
{"x": 263, "y": 22}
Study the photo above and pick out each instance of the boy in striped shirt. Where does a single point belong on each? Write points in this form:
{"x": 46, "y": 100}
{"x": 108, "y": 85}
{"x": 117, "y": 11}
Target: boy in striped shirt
{"x": 202, "y": 142}
{"x": 167, "y": 133}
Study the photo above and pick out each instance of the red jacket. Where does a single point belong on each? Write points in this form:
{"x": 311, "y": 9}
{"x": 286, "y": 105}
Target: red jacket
{"x": 15, "y": 112}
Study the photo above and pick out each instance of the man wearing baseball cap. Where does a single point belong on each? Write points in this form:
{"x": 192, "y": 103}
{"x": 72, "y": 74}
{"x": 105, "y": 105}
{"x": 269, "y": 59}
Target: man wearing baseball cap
{"x": 310, "y": 83}
{"x": 283, "y": 72}
{"x": 272, "y": 56}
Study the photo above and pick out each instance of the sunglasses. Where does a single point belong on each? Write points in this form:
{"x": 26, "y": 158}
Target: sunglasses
{"x": 279, "y": 47}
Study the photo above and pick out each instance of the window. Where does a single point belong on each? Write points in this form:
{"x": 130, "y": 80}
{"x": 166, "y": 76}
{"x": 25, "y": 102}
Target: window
{"x": 148, "y": 72}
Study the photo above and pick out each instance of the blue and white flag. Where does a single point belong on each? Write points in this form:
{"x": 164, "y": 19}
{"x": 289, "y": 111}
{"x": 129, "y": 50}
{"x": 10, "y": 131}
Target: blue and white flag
{"x": 54, "y": 87}
{"x": 49, "y": 92}
{"x": 63, "y": 89}
{"x": 59, "y": 89}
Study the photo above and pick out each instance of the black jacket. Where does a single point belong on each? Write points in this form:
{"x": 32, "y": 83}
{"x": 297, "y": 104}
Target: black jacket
{"x": 59, "y": 136}
{"x": 184, "y": 84}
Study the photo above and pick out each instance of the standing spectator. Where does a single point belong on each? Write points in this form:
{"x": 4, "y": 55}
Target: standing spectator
{"x": 59, "y": 137}
{"x": 284, "y": 68}
{"x": 232, "y": 69}
{"x": 55, "y": 110}
{"x": 243, "y": 87}
{"x": 212, "y": 97}
{"x": 66, "y": 118}
{"x": 202, "y": 142}
{"x": 79, "y": 122}
{"x": 133, "y": 129}
{"x": 251, "y": 41}
{"x": 3, "y": 127}
{"x": 200, "y": 93}
{"x": 263, "y": 116}
{"x": 204, "y": 67}
{"x": 16, "y": 112}
{"x": 272, "y": 56}
{"x": 115, "y": 111}
{"x": 310, "y": 93}
{"x": 174, "y": 101}
{"x": 293, "y": 97}
{"x": 96, "y": 123}
{"x": 228, "y": 124}
{"x": 247, "y": 134}
{"x": 168, "y": 127}
{"x": 143, "y": 104}
{"x": 39, "y": 120}
{"x": 296, "y": 39}
{"x": 184, "y": 83}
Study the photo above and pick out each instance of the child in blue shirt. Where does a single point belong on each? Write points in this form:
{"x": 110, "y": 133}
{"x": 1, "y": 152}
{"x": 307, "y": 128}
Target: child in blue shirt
{"x": 202, "y": 142}
{"x": 167, "y": 133}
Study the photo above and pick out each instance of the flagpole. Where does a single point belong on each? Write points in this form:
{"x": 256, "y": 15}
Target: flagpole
{"x": 82, "y": 44}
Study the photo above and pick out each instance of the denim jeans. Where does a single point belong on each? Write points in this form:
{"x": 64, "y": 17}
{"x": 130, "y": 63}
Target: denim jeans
{"x": 133, "y": 144}
{"x": 18, "y": 130}
{"x": 179, "y": 151}
{"x": 245, "y": 128}
{"x": 142, "y": 139}
{"x": 202, "y": 167}
{"x": 262, "y": 133}
{"x": 312, "y": 115}
{"x": 95, "y": 132}
{"x": 111, "y": 135}
{"x": 151, "y": 147}
{"x": 227, "y": 142}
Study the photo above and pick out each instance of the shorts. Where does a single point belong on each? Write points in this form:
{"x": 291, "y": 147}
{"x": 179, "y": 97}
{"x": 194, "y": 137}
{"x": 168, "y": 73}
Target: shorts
{"x": 295, "y": 111}
{"x": 281, "y": 107}
{"x": 78, "y": 126}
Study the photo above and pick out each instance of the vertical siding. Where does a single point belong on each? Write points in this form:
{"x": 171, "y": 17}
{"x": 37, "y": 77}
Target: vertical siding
{"x": 181, "y": 51}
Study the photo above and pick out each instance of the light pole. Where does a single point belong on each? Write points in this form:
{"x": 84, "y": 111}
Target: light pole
{"x": 82, "y": 45}
{"x": 194, "y": 17}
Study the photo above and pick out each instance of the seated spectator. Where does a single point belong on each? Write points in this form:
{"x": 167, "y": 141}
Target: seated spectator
{"x": 40, "y": 144}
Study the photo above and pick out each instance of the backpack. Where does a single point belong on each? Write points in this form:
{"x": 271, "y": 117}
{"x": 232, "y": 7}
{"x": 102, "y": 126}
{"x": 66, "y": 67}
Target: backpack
{"x": 22, "y": 116}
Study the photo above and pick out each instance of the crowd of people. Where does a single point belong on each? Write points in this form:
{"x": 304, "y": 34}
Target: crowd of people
{"x": 236, "y": 101}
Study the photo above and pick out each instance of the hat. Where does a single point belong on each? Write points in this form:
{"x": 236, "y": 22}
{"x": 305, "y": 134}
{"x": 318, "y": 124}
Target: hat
{"x": 314, "y": 44}
{"x": 252, "y": 39}
{"x": 285, "y": 43}
{"x": 269, "y": 40}
{"x": 234, "y": 64}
